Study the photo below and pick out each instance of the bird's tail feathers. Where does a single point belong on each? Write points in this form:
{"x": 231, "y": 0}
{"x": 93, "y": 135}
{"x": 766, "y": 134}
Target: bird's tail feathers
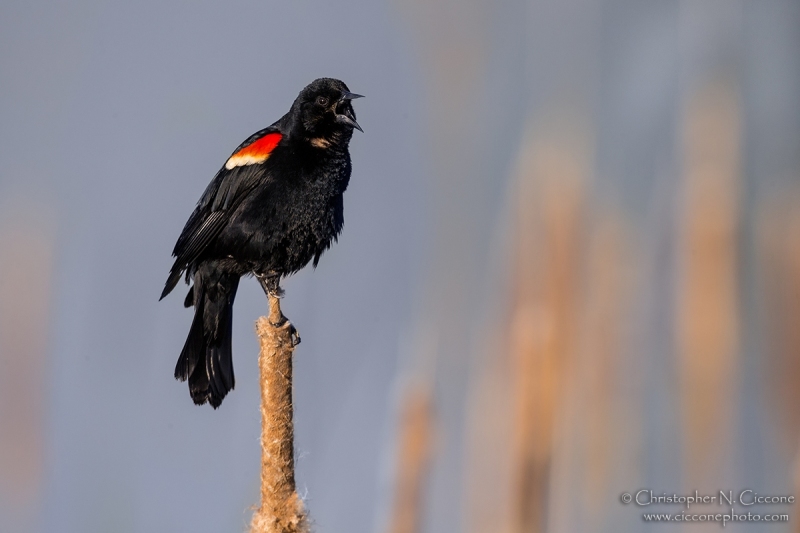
{"x": 174, "y": 277}
{"x": 206, "y": 359}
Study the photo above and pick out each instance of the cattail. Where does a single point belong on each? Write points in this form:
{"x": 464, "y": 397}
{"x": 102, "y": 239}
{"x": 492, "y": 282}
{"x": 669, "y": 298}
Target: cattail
{"x": 708, "y": 310}
{"x": 281, "y": 509}
{"x": 543, "y": 317}
{"x": 414, "y": 438}
{"x": 779, "y": 237}
{"x": 26, "y": 265}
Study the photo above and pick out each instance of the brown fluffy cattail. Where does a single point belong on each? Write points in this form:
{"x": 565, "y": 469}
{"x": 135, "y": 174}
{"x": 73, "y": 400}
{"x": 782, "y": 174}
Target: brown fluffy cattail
{"x": 281, "y": 509}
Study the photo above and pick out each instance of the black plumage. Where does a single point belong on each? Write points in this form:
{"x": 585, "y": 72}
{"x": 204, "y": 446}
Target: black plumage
{"x": 276, "y": 205}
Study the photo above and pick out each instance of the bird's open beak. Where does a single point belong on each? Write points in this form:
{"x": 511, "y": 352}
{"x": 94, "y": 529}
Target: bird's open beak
{"x": 350, "y": 96}
{"x": 347, "y": 117}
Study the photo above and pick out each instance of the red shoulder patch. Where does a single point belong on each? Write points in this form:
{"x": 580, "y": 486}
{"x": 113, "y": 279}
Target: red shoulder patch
{"x": 256, "y": 152}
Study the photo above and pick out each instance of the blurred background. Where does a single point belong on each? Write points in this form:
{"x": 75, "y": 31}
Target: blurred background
{"x": 570, "y": 265}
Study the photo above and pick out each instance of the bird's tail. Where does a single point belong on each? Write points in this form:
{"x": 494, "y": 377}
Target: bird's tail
{"x": 174, "y": 277}
{"x": 206, "y": 359}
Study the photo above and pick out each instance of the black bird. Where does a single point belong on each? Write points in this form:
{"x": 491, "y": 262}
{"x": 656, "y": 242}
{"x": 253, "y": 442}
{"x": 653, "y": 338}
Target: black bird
{"x": 275, "y": 205}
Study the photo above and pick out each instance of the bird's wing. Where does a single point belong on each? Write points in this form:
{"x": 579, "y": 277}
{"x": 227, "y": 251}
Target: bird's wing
{"x": 242, "y": 172}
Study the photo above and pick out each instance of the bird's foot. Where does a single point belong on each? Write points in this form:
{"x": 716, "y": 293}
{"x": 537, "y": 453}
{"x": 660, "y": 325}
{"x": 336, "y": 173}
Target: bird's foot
{"x": 295, "y": 335}
{"x": 284, "y": 323}
{"x": 270, "y": 283}
{"x": 277, "y": 292}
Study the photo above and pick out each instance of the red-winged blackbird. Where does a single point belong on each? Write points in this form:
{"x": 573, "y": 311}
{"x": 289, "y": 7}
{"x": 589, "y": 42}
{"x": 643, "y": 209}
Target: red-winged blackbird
{"x": 274, "y": 206}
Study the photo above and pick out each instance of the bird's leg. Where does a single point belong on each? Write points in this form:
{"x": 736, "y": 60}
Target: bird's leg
{"x": 271, "y": 284}
{"x": 276, "y": 317}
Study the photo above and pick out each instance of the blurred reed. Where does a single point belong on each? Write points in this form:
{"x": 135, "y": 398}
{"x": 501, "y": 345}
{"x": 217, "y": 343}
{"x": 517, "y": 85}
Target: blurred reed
{"x": 548, "y": 232}
{"x": 779, "y": 248}
{"x": 26, "y": 268}
{"x": 570, "y": 290}
{"x": 707, "y": 294}
{"x": 595, "y": 427}
{"x": 519, "y": 397}
{"x": 414, "y": 449}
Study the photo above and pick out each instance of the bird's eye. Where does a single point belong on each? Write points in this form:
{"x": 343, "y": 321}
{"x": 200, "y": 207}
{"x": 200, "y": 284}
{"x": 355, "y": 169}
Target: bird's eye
{"x": 322, "y": 100}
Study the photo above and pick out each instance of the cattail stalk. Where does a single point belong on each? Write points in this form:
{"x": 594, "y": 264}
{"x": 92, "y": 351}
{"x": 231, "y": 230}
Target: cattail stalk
{"x": 281, "y": 509}
{"x": 779, "y": 240}
{"x": 708, "y": 321}
{"x": 542, "y": 325}
{"x": 414, "y": 439}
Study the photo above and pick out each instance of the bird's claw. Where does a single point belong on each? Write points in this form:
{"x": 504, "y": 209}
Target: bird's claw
{"x": 276, "y": 292}
{"x": 294, "y": 334}
{"x": 284, "y": 323}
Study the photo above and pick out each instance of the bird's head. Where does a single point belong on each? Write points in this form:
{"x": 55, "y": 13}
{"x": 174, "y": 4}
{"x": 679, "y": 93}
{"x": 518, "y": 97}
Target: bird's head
{"x": 324, "y": 112}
